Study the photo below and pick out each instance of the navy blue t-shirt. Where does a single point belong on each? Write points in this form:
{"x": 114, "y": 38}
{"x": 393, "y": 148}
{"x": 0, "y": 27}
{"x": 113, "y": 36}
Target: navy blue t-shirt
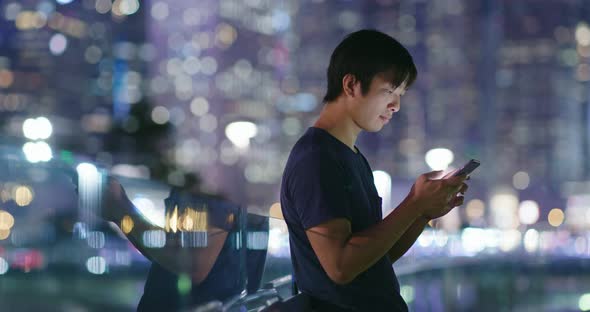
{"x": 324, "y": 179}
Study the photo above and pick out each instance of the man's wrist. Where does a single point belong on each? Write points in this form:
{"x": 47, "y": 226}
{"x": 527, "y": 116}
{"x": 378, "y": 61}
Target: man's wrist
{"x": 424, "y": 218}
{"x": 417, "y": 207}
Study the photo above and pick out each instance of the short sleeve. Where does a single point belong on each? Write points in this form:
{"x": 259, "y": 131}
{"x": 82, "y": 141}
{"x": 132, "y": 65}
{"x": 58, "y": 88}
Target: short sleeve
{"x": 319, "y": 190}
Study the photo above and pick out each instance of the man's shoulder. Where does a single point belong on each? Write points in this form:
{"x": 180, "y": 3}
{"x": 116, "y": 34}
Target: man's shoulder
{"x": 309, "y": 153}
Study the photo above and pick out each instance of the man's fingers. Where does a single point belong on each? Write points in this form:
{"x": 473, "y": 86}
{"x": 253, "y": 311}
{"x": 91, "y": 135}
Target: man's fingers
{"x": 433, "y": 174}
{"x": 457, "y": 201}
{"x": 454, "y": 181}
{"x": 450, "y": 174}
{"x": 463, "y": 188}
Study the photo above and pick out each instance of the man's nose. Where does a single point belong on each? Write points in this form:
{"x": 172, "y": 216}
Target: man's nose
{"x": 394, "y": 106}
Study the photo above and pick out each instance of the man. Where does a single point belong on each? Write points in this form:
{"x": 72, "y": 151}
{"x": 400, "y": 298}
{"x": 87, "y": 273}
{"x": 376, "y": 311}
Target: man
{"x": 342, "y": 249}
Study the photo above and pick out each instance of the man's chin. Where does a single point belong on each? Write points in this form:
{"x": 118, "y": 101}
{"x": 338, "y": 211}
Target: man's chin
{"x": 373, "y": 129}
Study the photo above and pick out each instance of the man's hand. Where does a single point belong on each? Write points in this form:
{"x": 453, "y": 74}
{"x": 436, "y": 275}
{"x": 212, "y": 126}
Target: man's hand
{"x": 436, "y": 197}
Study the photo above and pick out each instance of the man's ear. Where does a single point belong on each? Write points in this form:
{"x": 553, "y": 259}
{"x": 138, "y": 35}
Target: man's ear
{"x": 350, "y": 85}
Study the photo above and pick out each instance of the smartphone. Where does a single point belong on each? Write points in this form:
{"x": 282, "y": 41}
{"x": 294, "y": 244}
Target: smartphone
{"x": 468, "y": 168}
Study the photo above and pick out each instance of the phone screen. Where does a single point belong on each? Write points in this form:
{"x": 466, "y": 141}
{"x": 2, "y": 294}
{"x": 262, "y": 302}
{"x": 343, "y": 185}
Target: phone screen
{"x": 468, "y": 168}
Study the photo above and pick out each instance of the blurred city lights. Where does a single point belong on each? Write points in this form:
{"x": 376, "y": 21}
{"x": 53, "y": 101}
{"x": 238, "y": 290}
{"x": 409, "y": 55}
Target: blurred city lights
{"x": 584, "y": 302}
{"x": 159, "y": 10}
{"x": 127, "y": 224}
{"x": 580, "y": 245}
{"x": 504, "y": 208}
{"x": 208, "y": 65}
{"x": 6, "y": 78}
{"x": 576, "y": 211}
{"x": 199, "y": 106}
{"x": 274, "y": 239}
{"x": 473, "y": 240}
{"x": 291, "y": 126}
{"x": 11, "y": 11}
{"x": 275, "y": 211}
{"x": 37, "y": 151}
{"x": 187, "y": 223}
{"x": 89, "y": 191}
{"x": 95, "y": 239}
{"x": 80, "y": 230}
{"x": 131, "y": 171}
{"x": 194, "y": 239}
{"x": 546, "y": 240}
{"x": 58, "y": 44}
{"x": 127, "y": 7}
{"x": 528, "y": 212}
{"x": 103, "y": 6}
{"x": 149, "y": 210}
{"x": 521, "y": 180}
{"x": 383, "y": 184}
{"x": 226, "y": 35}
{"x": 3, "y": 266}
{"x": 531, "y": 240}
{"x": 451, "y": 222}
{"x": 240, "y": 133}
{"x": 5, "y": 195}
{"x": 38, "y": 128}
{"x": 510, "y": 240}
{"x": 4, "y": 234}
{"x": 184, "y": 284}
{"x": 407, "y": 292}
{"x": 426, "y": 238}
{"x": 171, "y": 219}
{"x": 441, "y": 239}
{"x": 583, "y": 34}
{"x": 208, "y": 123}
{"x": 259, "y": 240}
{"x": 160, "y": 115}
{"x": 154, "y": 238}
{"x": 96, "y": 265}
{"x": 474, "y": 210}
{"x": 87, "y": 170}
{"x": 555, "y": 217}
{"x": 493, "y": 238}
{"x": 190, "y": 220}
{"x": 439, "y": 158}
{"x": 27, "y": 20}
{"x": 6, "y": 220}
{"x": 23, "y": 195}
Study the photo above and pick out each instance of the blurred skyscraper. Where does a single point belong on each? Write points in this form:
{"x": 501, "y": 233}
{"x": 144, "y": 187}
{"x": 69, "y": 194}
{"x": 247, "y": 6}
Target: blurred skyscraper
{"x": 67, "y": 60}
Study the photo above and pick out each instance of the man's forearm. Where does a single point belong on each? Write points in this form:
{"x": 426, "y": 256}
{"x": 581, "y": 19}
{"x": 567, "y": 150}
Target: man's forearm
{"x": 196, "y": 262}
{"x": 407, "y": 240}
{"x": 365, "y": 248}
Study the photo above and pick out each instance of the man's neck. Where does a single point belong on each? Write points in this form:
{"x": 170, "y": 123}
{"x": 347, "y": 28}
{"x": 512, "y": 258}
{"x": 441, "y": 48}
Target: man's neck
{"x": 335, "y": 119}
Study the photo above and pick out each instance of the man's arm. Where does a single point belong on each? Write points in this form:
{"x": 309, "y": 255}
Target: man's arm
{"x": 344, "y": 255}
{"x": 196, "y": 262}
{"x": 407, "y": 240}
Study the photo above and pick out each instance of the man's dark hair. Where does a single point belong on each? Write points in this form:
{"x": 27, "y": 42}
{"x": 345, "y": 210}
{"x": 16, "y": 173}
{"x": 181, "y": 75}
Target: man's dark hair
{"x": 365, "y": 54}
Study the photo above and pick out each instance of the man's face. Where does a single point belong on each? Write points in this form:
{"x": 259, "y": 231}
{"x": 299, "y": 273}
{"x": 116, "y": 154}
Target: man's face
{"x": 373, "y": 110}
